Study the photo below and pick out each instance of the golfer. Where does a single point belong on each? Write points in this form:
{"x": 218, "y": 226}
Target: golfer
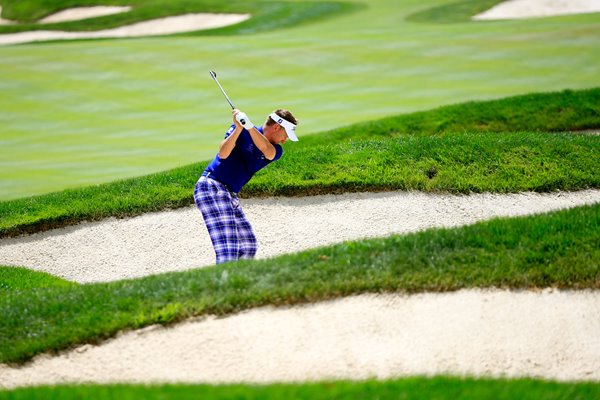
{"x": 245, "y": 150}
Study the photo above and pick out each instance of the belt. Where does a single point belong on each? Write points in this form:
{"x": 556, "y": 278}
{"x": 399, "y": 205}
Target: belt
{"x": 208, "y": 174}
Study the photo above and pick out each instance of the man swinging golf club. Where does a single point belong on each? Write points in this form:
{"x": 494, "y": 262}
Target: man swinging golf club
{"x": 245, "y": 150}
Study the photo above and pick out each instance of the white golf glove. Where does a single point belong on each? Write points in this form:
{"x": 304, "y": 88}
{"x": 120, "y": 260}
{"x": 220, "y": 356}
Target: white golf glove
{"x": 243, "y": 119}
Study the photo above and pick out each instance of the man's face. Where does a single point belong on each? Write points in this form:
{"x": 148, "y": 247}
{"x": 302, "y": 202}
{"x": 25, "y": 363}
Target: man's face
{"x": 275, "y": 133}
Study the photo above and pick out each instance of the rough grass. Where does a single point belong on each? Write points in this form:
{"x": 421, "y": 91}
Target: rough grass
{"x": 17, "y": 278}
{"x": 417, "y": 388}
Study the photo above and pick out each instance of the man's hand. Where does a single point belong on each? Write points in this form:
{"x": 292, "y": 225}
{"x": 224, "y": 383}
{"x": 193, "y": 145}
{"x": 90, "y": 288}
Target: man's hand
{"x": 243, "y": 119}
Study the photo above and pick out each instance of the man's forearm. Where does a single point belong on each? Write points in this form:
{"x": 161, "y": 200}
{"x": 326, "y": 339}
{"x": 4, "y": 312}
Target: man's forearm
{"x": 228, "y": 144}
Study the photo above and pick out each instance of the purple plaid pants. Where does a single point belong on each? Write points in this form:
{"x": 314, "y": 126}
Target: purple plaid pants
{"x": 229, "y": 229}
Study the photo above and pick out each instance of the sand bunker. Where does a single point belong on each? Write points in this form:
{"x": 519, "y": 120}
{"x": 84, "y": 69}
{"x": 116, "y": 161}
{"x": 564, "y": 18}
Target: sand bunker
{"x": 175, "y": 240}
{"x": 549, "y": 334}
{"x": 156, "y": 27}
{"x": 519, "y": 9}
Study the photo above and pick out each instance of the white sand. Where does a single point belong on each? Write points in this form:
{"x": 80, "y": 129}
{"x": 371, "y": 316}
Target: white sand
{"x": 549, "y": 334}
{"x": 175, "y": 240}
{"x": 520, "y": 9}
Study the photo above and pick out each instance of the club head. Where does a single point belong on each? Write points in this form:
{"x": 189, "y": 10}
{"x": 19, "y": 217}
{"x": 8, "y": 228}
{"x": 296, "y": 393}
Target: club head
{"x": 213, "y": 74}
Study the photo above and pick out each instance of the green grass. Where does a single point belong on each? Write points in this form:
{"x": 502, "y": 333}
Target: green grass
{"x": 417, "y": 388}
{"x": 564, "y": 111}
{"x": 74, "y": 114}
{"x": 558, "y": 249}
{"x": 16, "y": 278}
{"x": 458, "y": 11}
{"x": 458, "y": 163}
{"x": 487, "y": 146}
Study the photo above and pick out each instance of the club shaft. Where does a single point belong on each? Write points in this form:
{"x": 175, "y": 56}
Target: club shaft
{"x": 223, "y": 91}
{"x": 213, "y": 74}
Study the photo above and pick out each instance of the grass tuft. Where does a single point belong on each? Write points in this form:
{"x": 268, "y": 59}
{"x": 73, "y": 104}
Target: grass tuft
{"x": 16, "y": 278}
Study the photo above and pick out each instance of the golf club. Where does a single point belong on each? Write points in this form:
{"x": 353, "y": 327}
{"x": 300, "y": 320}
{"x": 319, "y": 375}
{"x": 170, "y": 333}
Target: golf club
{"x": 214, "y": 76}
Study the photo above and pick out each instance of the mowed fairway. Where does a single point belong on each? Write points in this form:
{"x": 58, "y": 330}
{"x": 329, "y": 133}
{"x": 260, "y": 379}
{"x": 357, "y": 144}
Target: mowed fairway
{"x": 78, "y": 113}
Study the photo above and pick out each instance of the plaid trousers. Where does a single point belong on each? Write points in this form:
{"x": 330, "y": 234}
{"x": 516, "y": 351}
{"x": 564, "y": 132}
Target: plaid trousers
{"x": 229, "y": 229}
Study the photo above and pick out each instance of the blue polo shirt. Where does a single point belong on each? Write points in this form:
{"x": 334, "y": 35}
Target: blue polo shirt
{"x": 244, "y": 161}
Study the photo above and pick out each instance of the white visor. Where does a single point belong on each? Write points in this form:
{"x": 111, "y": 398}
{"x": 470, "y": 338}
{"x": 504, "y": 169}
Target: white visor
{"x": 290, "y": 128}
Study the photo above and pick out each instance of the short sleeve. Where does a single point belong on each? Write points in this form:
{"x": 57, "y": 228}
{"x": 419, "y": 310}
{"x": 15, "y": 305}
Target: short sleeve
{"x": 230, "y": 131}
{"x": 278, "y": 152}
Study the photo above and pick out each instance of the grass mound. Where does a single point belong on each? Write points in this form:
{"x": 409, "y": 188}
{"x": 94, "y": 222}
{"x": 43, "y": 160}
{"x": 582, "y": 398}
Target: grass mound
{"x": 494, "y": 146}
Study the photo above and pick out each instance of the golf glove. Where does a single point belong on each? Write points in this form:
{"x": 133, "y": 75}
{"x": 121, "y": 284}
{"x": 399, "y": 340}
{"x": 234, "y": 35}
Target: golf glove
{"x": 243, "y": 119}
